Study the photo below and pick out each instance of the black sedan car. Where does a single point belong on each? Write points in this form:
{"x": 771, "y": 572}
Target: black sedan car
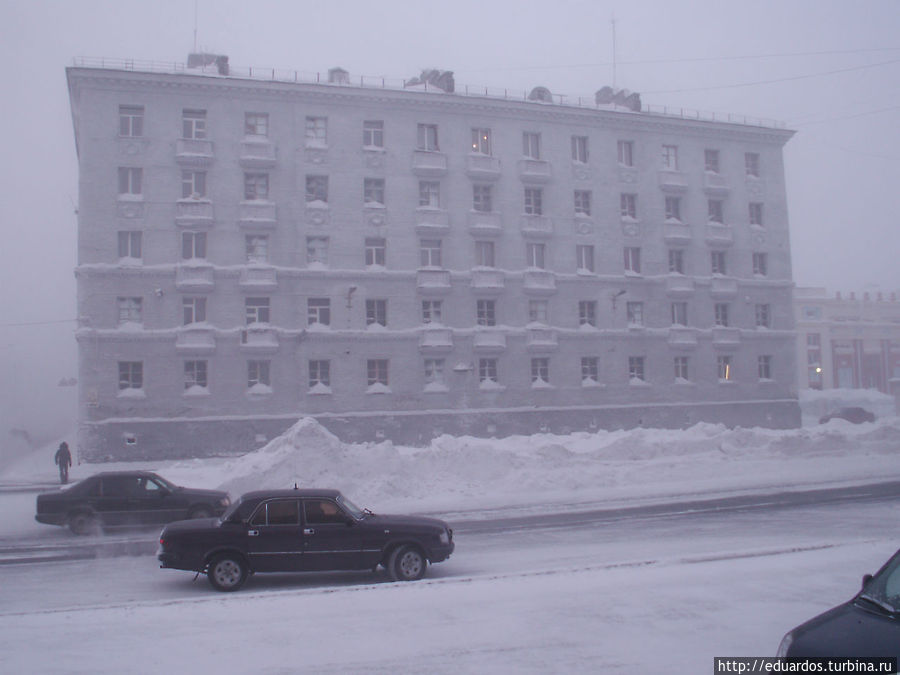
{"x": 302, "y": 531}
{"x": 853, "y": 414}
{"x": 867, "y": 625}
{"x": 126, "y": 499}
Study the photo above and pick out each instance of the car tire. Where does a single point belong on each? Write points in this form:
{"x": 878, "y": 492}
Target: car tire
{"x": 82, "y": 523}
{"x": 227, "y": 572}
{"x": 200, "y": 512}
{"x": 407, "y": 563}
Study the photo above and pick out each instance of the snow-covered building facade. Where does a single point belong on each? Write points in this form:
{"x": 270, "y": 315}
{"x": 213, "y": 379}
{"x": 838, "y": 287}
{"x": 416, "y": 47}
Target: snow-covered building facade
{"x": 410, "y": 261}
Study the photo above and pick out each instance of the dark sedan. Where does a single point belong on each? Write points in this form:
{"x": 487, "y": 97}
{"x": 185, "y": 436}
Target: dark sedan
{"x": 126, "y": 499}
{"x": 853, "y": 414}
{"x": 302, "y": 531}
{"x": 867, "y": 625}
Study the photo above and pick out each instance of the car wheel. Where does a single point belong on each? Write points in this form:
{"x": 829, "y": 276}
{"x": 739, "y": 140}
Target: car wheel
{"x": 82, "y": 523}
{"x": 407, "y": 564}
{"x": 227, "y": 572}
{"x": 200, "y": 512}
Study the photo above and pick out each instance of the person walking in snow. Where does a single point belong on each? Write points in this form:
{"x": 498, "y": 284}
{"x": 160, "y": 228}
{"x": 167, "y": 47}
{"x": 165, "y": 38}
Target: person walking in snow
{"x": 63, "y": 460}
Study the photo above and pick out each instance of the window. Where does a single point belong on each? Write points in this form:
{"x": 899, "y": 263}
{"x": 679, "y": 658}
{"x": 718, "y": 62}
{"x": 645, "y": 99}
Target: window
{"x": 764, "y": 367}
{"x": 636, "y": 368}
{"x": 486, "y": 312}
{"x": 676, "y": 261}
{"x": 131, "y": 120}
{"x": 256, "y": 186}
{"x": 679, "y": 314}
{"x": 540, "y": 370}
{"x": 373, "y": 133}
{"x": 681, "y": 368}
{"x": 130, "y": 179}
{"x": 376, "y": 312}
{"x": 534, "y": 255}
{"x": 434, "y": 371}
{"x": 193, "y": 245}
{"x": 534, "y": 201}
{"x": 531, "y": 145}
{"x": 673, "y": 208}
{"x": 430, "y": 193}
{"x": 634, "y": 312}
{"x": 193, "y": 310}
{"x": 319, "y": 373}
{"x": 131, "y": 375}
{"x": 626, "y": 153}
{"x": 487, "y": 370}
{"x": 670, "y": 157}
{"x": 373, "y": 191}
{"x": 717, "y": 262}
{"x": 628, "y": 206}
{"x": 256, "y": 124}
{"x": 427, "y": 137}
{"x": 587, "y": 313}
{"x": 633, "y": 259}
{"x": 430, "y": 252}
{"x": 258, "y": 374}
{"x": 316, "y": 131}
{"x": 431, "y": 311}
{"x": 481, "y": 198}
{"x": 751, "y": 164}
{"x": 756, "y": 213}
{"x": 129, "y": 244}
{"x": 584, "y": 257}
{"x": 711, "y": 160}
{"x": 375, "y": 251}
{"x": 193, "y": 184}
{"x": 377, "y": 371}
{"x": 583, "y": 202}
{"x": 256, "y": 247}
{"x": 720, "y": 312}
{"x": 760, "y": 264}
{"x": 129, "y": 310}
{"x": 715, "y": 211}
{"x": 723, "y": 368}
{"x": 481, "y": 141}
{"x": 813, "y": 340}
{"x": 317, "y": 189}
{"x": 580, "y": 149}
{"x": 538, "y": 311}
{"x": 484, "y": 253}
{"x": 590, "y": 372}
{"x": 318, "y": 311}
{"x": 257, "y": 310}
{"x": 763, "y": 315}
{"x": 195, "y": 374}
{"x": 193, "y": 124}
{"x": 317, "y": 250}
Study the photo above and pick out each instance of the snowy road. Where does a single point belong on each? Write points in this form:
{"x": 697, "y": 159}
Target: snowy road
{"x": 637, "y": 595}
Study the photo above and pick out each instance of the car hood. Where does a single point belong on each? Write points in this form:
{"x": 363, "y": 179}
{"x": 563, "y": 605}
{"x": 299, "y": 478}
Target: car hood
{"x": 848, "y": 630}
{"x": 207, "y": 494}
{"x": 414, "y": 522}
{"x": 192, "y": 525}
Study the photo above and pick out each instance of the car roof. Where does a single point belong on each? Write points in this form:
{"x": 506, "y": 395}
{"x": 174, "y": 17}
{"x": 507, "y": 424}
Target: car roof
{"x": 107, "y": 474}
{"x": 305, "y": 493}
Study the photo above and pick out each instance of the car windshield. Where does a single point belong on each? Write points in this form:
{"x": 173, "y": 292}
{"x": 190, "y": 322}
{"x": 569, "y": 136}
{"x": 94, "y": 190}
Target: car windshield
{"x": 350, "y": 507}
{"x": 884, "y": 588}
{"x": 162, "y": 481}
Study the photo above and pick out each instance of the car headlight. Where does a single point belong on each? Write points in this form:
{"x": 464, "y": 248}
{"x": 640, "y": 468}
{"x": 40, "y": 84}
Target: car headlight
{"x": 786, "y": 642}
{"x": 444, "y": 537}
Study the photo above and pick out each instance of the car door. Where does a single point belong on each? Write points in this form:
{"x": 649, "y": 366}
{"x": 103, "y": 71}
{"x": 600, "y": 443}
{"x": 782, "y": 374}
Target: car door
{"x": 112, "y": 505}
{"x": 273, "y": 539}
{"x": 332, "y": 539}
{"x": 156, "y": 503}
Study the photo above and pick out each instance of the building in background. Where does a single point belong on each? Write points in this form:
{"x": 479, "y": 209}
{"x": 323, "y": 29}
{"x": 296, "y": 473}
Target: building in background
{"x": 847, "y": 342}
{"x": 406, "y": 260}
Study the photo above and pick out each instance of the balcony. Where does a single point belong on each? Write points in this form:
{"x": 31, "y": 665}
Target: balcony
{"x": 725, "y": 337}
{"x": 259, "y": 339}
{"x": 673, "y": 181}
{"x": 487, "y": 340}
{"x": 536, "y": 226}
{"x": 194, "y": 213}
{"x": 196, "y": 339}
{"x": 257, "y": 213}
{"x": 432, "y": 221}
{"x": 485, "y": 223}
{"x": 538, "y": 282}
{"x": 482, "y": 167}
{"x": 535, "y": 170}
{"x": 428, "y": 163}
{"x": 258, "y": 278}
{"x": 715, "y": 183}
{"x": 679, "y": 286}
{"x": 195, "y": 278}
{"x": 434, "y": 340}
{"x": 433, "y": 281}
{"x": 540, "y": 339}
{"x": 193, "y": 152}
{"x": 487, "y": 280}
{"x": 723, "y": 287}
{"x": 681, "y": 337}
{"x": 719, "y": 234}
{"x": 257, "y": 154}
{"x": 676, "y": 233}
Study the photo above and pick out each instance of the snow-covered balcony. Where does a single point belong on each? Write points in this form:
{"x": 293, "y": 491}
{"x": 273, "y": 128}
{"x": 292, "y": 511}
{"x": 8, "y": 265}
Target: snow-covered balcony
{"x": 194, "y": 213}
{"x": 673, "y": 181}
{"x": 257, "y": 213}
{"x": 259, "y": 338}
{"x": 195, "y": 339}
{"x": 723, "y": 287}
{"x": 719, "y": 234}
{"x": 714, "y": 183}
{"x": 429, "y": 163}
{"x": 488, "y": 340}
{"x": 536, "y": 226}
{"x": 482, "y": 167}
{"x": 195, "y": 278}
{"x": 535, "y": 170}
{"x": 432, "y": 221}
{"x": 435, "y": 340}
{"x": 540, "y": 339}
{"x": 485, "y": 223}
{"x": 682, "y": 337}
{"x": 257, "y": 153}
{"x": 193, "y": 152}
{"x": 487, "y": 280}
{"x": 258, "y": 278}
{"x": 726, "y": 337}
{"x": 676, "y": 233}
{"x": 538, "y": 282}
{"x": 678, "y": 285}
{"x": 433, "y": 281}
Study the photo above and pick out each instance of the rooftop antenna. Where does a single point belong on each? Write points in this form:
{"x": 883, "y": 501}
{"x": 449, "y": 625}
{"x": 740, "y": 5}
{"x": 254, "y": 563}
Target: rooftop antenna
{"x": 613, "y": 22}
{"x": 195, "y": 26}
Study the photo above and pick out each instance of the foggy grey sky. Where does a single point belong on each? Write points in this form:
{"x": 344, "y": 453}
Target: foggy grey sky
{"x": 843, "y": 166}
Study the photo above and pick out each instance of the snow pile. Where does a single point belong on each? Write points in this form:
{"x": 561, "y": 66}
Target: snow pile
{"x": 814, "y": 403}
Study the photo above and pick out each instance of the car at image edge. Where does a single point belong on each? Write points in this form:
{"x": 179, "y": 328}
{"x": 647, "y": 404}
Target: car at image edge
{"x": 854, "y": 415}
{"x": 302, "y": 531}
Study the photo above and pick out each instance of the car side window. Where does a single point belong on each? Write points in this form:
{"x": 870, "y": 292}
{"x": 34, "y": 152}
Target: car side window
{"x": 322, "y": 512}
{"x": 119, "y": 486}
{"x": 278, "y": 512}
{"x": 150, "y": 485}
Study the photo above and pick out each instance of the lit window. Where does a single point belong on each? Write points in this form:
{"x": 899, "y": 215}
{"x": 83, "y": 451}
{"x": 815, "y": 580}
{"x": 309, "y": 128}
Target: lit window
{"x": 481, "y": 141}
{"x": 724, "y": 369}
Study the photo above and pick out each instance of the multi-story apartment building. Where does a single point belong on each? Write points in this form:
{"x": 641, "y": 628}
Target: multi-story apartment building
{"x": 404, "y": 262}
{"x": 848, "y": 342}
